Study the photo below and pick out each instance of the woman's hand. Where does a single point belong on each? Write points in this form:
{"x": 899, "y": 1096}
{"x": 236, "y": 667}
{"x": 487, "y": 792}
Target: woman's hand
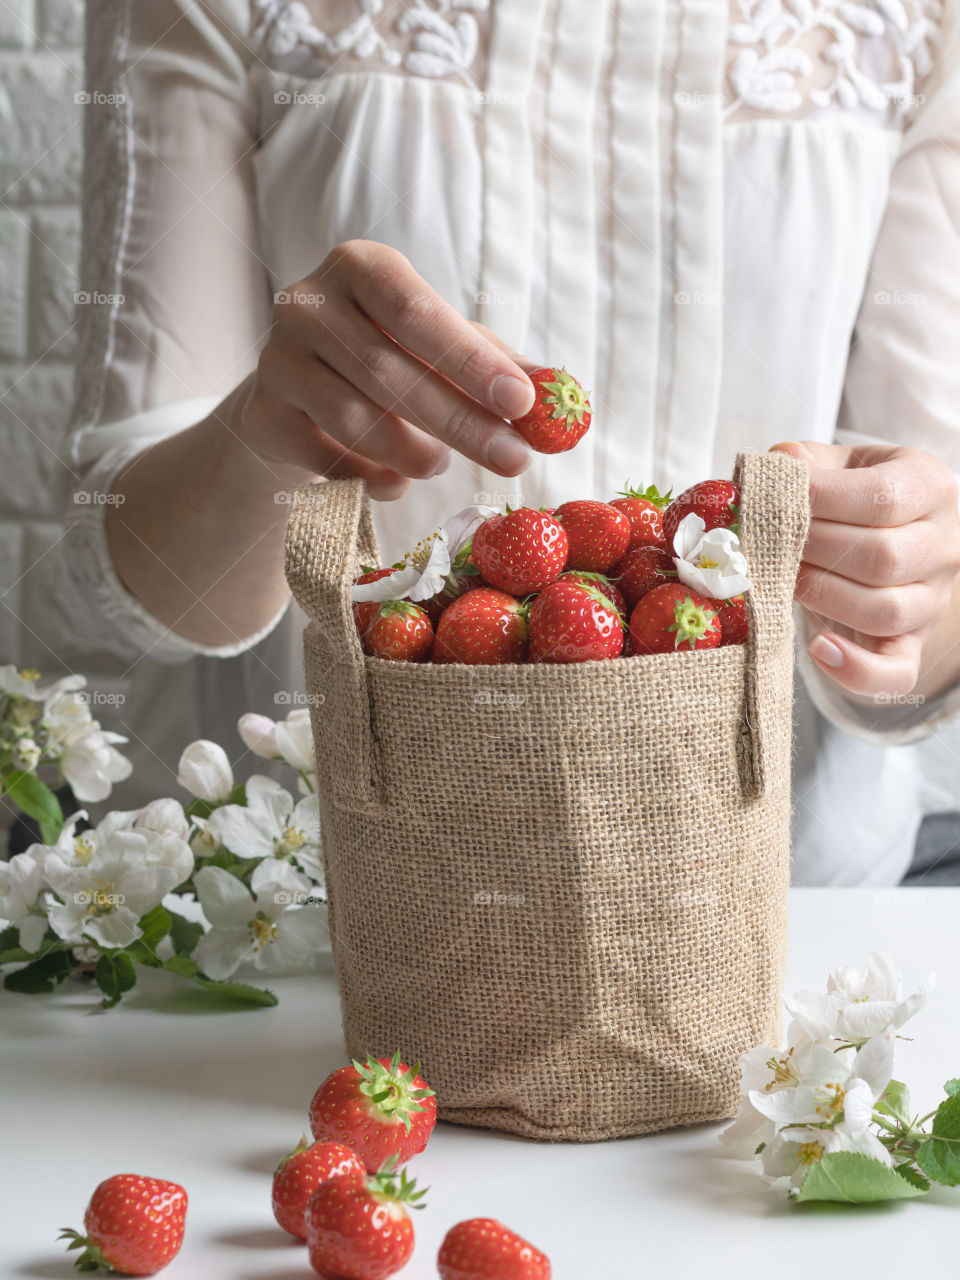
{"x": 880, "y": 565}
{"x": 369, "y": 372}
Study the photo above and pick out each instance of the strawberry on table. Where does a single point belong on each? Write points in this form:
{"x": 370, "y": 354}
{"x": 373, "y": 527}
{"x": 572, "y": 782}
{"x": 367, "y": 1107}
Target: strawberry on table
{"x": 133, "y": 1226}
{"x": 716, "y": 502}
{"x": 298, "y": 1175}
{"x": 358, "y": 1228}
{"x": 644, "y": 509}
{"x": 598, "y": 535}
{"x": 572, "y": 623}
{"x": 379, "y": 1109}
{"x": 613, "y": 593}
{"x": 560, "y": 415}
{"x": 641, "y": 570}
{"x": 400, "y": 630}
{"x": 734, "y": 623}
{"x": 672, "y": 617}
{"x": 520, "y": 552}
{"x": 484, "y": 1249}
{"x": 485, "y": 627}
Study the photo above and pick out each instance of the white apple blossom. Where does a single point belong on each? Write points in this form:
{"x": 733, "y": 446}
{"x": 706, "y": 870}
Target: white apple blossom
{"x": 264, "y": 926}
{"x": 290, "y": 739}
{"x": 709, "y": 560}
{"x": 270, "y": 825}
{"x": 22, "y": 890}
{"x": 205, "y": 771}
{"x": 428, "y": 566}
{"x": 857, "y": 1004}
{"x": 25, "y": 755}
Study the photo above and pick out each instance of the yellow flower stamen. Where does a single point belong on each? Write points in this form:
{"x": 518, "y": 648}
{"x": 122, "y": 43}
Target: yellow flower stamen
{"x": 809, "y": 1152}
{"x": 709, "y": 564}
{"x": 784, "y": 1071}
{"x": 832, "y": 1097}
{"x": 262, "y": 931}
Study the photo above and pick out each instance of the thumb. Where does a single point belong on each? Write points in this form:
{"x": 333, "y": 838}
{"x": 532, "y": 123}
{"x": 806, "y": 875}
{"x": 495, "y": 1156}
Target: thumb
{"x": 831, "y": 457}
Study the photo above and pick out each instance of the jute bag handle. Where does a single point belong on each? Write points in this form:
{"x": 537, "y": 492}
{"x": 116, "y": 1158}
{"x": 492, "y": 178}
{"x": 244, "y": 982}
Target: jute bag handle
{"x": 330, "y": 534}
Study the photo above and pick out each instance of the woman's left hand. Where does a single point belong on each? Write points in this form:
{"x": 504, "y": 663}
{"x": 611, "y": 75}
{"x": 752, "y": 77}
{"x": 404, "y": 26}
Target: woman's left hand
{"x": 881, "y": 562}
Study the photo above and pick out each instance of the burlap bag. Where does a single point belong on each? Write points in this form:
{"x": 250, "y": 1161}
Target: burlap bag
{"x": 563, "y": 889}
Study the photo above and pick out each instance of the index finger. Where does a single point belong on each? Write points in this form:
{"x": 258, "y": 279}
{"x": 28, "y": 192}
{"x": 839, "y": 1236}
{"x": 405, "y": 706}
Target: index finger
{"x": 887, "y": 494}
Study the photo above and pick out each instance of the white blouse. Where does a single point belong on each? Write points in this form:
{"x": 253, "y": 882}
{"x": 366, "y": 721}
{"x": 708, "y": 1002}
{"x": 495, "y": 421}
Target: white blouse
{"x": 736, "y": 226}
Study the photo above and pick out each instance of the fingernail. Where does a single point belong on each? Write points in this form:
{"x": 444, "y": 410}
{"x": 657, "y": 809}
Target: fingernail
{"x": 790, "y": 444}
{"x": 444, "y": 463}
{"x": 825, "y": 651}
{"x": 508, "y": 452}
{"x": 512, "y": 396}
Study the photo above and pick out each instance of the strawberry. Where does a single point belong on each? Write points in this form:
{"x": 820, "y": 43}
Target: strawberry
{"x": 644, "y": 509}
{"x": 133, "y": 1225}
{"x": 716, "y": 502}
{"x": 484, "y": 1249}
{"x": 571, "y": 623}
{"x": 671, "y": 616}
{"x": 613, "y": 594}
{"x": 400, "y": 630}
{"x": 734, "y": 623}
{"x": 364, "y": 611}
{"x": 298, "y": 1175}
{"x": 381, "y": 1108}
{"x": 560, "y": 415}
{"x": 520, "y": 552}
{"x": 642, "y": 569}
{"x": 464, "y": 576}
{"x": 598, "y": 535}
{"x": 358, "y": 1228}
{"x": 485, "y": 627}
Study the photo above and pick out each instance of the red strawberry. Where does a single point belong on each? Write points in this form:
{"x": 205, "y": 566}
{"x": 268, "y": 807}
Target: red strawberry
{"x": 597, "y": 534}
{"x": 734, "y": 623}
{"x": 642, "y": 569}
{"x": 133, "y": 1225}
{"x": 401, "y": 631}
{"x": 380, "y": 1109}
{"x": 716, "y": 502}
{"x": 358, "y": 1228}
{"x": 520, "y": 552}
{"x": 570, "y": 623}
{"x": 364, "y": 611}
{"x": 560, "y": 415}
{"x": 484, "y": 1249}
{"x": 485, "y": 627}
{"x": 298, "y": 1175}
{"x": 613, "y": 594}
{"x": 644, "y": 509}
{"x": 672, "y": 616}
{"x": 463, "y": 577}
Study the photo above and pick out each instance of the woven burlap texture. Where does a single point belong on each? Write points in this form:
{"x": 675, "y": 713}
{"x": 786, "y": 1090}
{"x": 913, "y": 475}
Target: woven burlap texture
{"x": 562, "y": 889}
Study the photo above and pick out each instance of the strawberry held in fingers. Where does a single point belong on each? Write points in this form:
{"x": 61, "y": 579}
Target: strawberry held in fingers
{"x": 598, "y": 535}
{"x": 673, "y": 617}
{"x": 484, "y": 1249}
{"x": 734, "y": 623}
{"x": 571, "y": 623}
{"x": 401, "y": 631}
{"x": 380, "y": 1109}
{"x": 358, "y": 1228}
{"x": 716, "y": 502}
{"x": 133, "y": 1226}
{"x": 641, "y": 570}
{"x": 298, "y": 1175}
{"x": 613, "y": 593}
{"x": 560, "y": 415}
{"x": 485, "y": 628}
{"x": 644, "y": 509}
{"x": 520, "y": 552}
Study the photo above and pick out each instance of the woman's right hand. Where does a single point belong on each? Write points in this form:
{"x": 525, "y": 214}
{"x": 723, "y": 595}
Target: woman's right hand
{"x": 369, "y": 372}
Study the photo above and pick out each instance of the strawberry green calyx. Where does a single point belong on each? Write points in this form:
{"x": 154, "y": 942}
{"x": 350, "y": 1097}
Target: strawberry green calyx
{"x": 404, "y": 607}
{"x": 691, "y": 622}
{"x": 650, "y": 494}
{"x": 596, "y": 594}
{"x": 566, "y": 398}
{"x": 299, "y": 1149}
{"x": 91, "y": 1259}
{"x": 387, "y": 1184}
{"x": 393, "y": 1092}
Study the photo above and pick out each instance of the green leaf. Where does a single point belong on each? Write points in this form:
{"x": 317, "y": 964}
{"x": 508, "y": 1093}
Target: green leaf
{"x": 37, "y": 801}
{"x": 939, "y": 1156}
{"x": 895, "y": 1102}
{"x": 184, "y": 934}
{"x": 849, "y": 1177}
{"x": 10, "y": 937}
{"x": 182, "y": 966}
{"x": 952, "y": 1088}
{"x": 913, "y": 1176}
{"x": 41, "y": 975}
{"x": 15, "y": 955}
{"x": 240, "y": 991}
{"x": 115, "y": 973}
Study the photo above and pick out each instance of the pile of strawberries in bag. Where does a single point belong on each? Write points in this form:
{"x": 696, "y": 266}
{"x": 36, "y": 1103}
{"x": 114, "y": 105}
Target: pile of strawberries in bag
{"x": 583, "y": 581}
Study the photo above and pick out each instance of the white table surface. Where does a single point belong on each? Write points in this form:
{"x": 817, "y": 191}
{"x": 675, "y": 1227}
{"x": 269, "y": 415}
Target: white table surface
{"x": 162, "y": 1086}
